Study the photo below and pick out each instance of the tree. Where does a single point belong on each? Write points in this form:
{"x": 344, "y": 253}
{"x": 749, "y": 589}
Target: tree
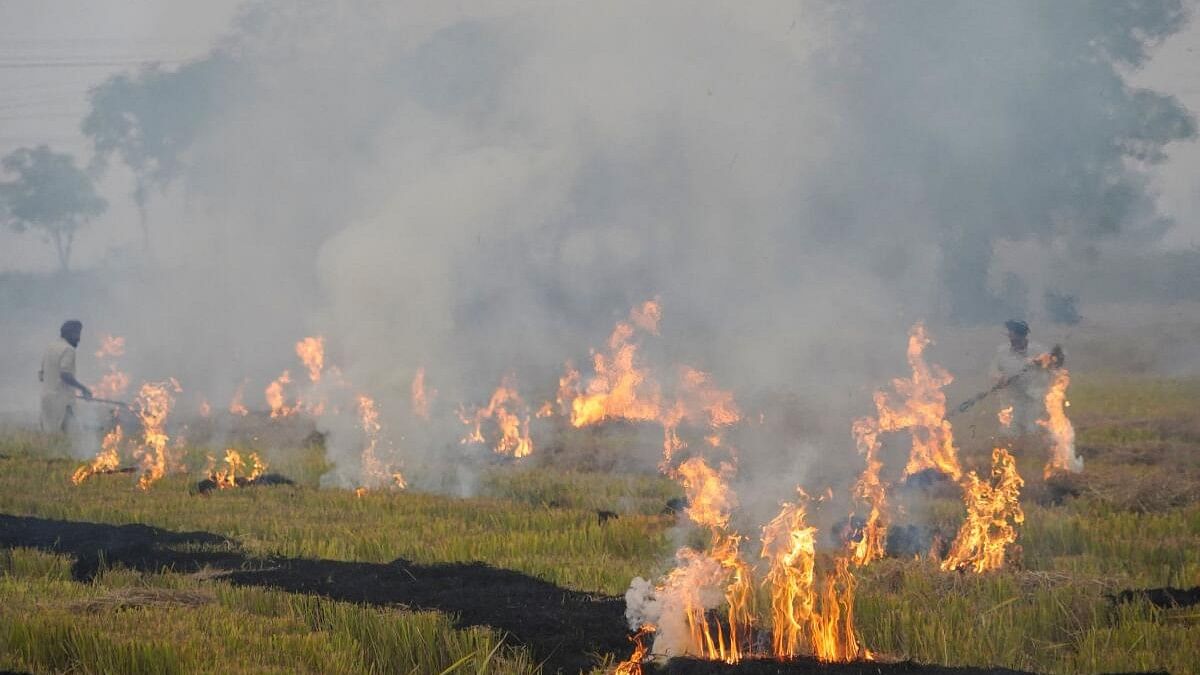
{"x": 150, "y": 119}
{"x": 50, "y": 195}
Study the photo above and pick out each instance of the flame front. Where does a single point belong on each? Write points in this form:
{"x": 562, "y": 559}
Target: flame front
{"x": 1062, "y": 433}
{"x": 993, "y": 510}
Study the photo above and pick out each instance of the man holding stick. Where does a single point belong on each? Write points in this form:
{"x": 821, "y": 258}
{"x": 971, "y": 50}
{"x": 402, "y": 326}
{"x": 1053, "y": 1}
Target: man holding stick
{"x": 57, "y": 376}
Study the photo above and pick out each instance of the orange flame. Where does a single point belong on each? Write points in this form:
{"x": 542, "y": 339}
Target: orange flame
{"x": 311, "y": 351}
{"x": 276, "y": 398}
{"x": 111, "y": 347}
{"x": 205, "y": 408}
{"x": 420, "y": 400}
{"x": 1005, "y": 416}
{"x": 873, "y": 491}
{"x": 993, "y": 508}
{"x": 504, "y": 409}
{"x": 153, "y": 404}
{"x": 375, "y": 473}
{"x": 106, "y": 460}
{"x": 633, "y": 666}
{"x": 922, "y": 410}
{"x": 689, "y": 587}
{"x": 234, "y": 464}
{"x": 114, "y": 382}
{"x": 803, "y": 620}
{"x": 619, "y": 389}
{"x": 1062, "y": 433}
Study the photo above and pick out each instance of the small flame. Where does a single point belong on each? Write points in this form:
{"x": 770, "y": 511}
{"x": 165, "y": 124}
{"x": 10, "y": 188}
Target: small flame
{"x": 114, "y": 382}
{"x": 511, "y": 417}
{"x": 108, "y": 459}
{"x": 228, "y": 477}
{"x": 277, "y": 400}
{"x": 205, "y": 408}
{"x": 1062, "y": 433}
{"x": 311, "y": 351}
{"x": 111, "y": 347}
{"x": 993, "y": 508}
{"x": 1005, "y": 416}
{"x": 420, "y": 400}
{"x": 633, "y": 666}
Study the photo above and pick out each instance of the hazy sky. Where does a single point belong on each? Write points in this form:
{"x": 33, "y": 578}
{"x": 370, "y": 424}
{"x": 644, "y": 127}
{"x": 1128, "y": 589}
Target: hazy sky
{"x": 53, "y": 51}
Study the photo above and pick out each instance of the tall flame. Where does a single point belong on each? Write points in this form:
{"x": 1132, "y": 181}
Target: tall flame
{"x": 804, "y": 620}
{"x": 152, "y": 406}
{"x": 871, "y": 490}
{"x": 922, "y": 410}
{"x": 1062, "y": 433}
{"x": 420, "y": 400}
{"x": 993, "y": 510}
{"x": 375, "y": 472}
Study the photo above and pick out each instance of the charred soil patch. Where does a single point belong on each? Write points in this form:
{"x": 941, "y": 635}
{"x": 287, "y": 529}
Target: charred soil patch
{"x": 561, "y": 627}
{"x": 807, "y": 665}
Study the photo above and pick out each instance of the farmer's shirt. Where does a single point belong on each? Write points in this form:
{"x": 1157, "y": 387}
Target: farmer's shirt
{"x": 1026, "y": 394}
{"x": 57, "y": 395}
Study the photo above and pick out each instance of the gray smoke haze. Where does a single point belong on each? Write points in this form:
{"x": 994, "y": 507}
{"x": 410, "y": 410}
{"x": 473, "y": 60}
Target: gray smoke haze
{"x": 484, "y": 191}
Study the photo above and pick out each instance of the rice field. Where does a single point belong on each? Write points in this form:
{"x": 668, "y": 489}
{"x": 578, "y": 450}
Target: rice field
{"x": 1134, "y": 524}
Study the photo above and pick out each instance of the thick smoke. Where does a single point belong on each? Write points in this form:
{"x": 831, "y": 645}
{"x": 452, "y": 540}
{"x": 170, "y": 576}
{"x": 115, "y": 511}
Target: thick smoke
{"x": 487, "y": 191}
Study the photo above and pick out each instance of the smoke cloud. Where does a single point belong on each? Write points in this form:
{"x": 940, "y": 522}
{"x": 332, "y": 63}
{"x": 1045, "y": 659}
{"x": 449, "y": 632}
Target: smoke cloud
{"x": 485, "y": 191}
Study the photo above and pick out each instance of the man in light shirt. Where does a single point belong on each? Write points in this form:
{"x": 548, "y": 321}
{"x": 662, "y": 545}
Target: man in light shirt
{"x": 58, "y": 379}
{"x": 1023, "y": 382}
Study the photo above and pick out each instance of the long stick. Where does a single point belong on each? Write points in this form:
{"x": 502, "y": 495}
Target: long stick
{"x": 1055, "y": 360}
{"x": 119, "y": 404}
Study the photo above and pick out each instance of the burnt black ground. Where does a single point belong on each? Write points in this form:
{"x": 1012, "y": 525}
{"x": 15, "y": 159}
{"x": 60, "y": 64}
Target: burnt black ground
{"x": 1167, "y": 597}
{"x": 564, "y": 629}
{"x": 561, "y": 627}
{"x": 804, "y": 666}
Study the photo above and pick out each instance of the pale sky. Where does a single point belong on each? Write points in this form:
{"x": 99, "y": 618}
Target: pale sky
{"x": 53, "y": 51}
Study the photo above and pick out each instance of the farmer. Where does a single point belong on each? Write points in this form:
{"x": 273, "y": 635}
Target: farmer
{"x": 58, "y": 379}
{"x": 1022, "y": 380}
